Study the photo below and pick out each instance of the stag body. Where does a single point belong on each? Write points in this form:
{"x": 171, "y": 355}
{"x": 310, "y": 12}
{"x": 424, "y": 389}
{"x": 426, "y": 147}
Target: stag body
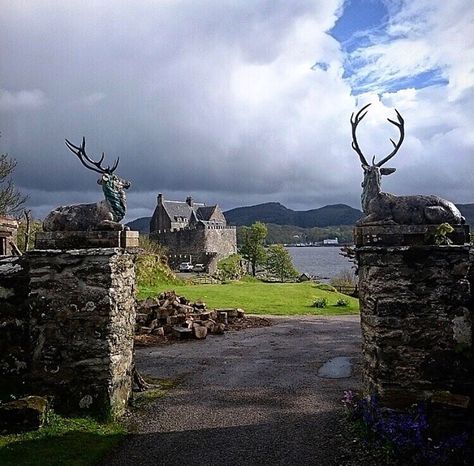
{"x": 380, "y": 207}
{"x": 103, "y": 215}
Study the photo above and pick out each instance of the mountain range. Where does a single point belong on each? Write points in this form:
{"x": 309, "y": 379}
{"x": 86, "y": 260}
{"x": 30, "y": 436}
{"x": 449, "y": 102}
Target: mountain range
{"x": 278, "y": 214}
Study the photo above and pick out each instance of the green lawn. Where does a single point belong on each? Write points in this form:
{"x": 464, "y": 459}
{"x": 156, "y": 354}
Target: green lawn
{"x": 64, "y": 441}
{"x": 256, "y": 297}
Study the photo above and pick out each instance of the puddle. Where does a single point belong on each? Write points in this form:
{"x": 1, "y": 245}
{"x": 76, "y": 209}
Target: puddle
{"x": 336, "y": 368}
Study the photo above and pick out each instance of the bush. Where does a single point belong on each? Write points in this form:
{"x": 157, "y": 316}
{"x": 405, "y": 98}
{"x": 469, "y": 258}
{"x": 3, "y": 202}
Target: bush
{"x": 342, "y": 302}
{"x": 151, "y": 246}
{"x": 151, "y": 270}
{"x": 230, "y": 268}
{"x": 325, "y": 287}
{"x": 320, "y": 303}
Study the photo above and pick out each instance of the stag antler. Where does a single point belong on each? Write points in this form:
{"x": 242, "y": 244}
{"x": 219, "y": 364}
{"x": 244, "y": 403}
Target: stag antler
{"x": 401, "y": 127}
{"x": 355, "y": 120}
{"x": 83, "y": 157}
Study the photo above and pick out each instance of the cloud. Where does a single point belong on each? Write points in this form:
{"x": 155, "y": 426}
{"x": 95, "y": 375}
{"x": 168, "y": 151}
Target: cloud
{"x": 221, "y": 99}
{"x": 421, "y": 36}
{"x": 21, "y": 100}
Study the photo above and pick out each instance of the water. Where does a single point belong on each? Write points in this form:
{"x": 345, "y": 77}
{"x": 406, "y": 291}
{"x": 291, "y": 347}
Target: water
{"x": 324, "y": 262}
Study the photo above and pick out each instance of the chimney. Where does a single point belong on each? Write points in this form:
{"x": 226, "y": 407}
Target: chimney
{"x": 159, "y": 199}
{"x": 189, "y": 201}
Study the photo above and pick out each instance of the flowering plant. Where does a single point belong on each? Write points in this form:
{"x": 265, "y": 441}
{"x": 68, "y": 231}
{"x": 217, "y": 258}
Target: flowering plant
{"x": 407, "y": 433}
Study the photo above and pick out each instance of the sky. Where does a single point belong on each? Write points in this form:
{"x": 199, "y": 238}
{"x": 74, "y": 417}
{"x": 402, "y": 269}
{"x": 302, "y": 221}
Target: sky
{"x": 236, "y": 102}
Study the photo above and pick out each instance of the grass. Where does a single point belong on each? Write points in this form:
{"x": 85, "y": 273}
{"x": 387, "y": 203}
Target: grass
{"x": 74, "y": 441}
{"x": 257, "y": 297}
{"x": 63, "y": 441}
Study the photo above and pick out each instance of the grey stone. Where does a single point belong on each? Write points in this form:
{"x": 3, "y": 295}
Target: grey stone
{"x": 23, "y": 414}
{"x": 416, "y": 308}
{"x": 336, "y": 368}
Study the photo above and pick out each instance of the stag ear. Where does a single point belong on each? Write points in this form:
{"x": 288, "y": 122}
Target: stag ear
{"x": 365, "y": 167}
{"x": 387, "y": 171}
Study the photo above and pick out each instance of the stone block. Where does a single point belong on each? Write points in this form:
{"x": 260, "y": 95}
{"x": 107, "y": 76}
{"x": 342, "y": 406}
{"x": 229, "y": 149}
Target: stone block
{"x": 182, "y": 332}
{"x": 405, "y": 235}
{"x": 86, "y": 239}
{"x": 23, "y": 414}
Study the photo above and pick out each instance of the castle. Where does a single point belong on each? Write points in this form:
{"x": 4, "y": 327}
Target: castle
{"x": 192, "y": 232}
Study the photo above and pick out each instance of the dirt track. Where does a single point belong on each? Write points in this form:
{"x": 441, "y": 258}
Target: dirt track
{"x": 252, "y": 397}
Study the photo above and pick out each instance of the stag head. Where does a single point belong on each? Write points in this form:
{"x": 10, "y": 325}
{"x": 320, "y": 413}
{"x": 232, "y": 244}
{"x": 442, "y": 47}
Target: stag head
{"x": 107, "y": 173}
{"x": 375, "y": 170}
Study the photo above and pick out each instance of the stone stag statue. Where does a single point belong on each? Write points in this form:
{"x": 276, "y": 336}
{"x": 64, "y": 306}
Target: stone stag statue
{"x": 103, "y": 215}
{"x": 382, "y": 208}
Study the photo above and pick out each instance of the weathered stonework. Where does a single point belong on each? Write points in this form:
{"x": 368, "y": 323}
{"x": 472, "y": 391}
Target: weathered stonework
{"x": 82, "y": 308}
{"x": 8, "y": 234}
{"x": 192, "y": 232}
{"x": 417, "y": 321}
{"x": 86, "y": 239}
{"x": 204, "y": 244}
{"x": 66, "y": 327}
{"x": 14, "y": 324}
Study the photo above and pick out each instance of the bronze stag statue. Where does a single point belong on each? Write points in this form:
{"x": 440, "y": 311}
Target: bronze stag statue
{"x": 103, "y": 215}
{"x": 382, "y": 208}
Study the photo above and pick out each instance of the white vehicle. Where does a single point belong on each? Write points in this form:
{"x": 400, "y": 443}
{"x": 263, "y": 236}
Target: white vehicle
{"x": 199, "y": 268}
{"x": 186, "y": 267}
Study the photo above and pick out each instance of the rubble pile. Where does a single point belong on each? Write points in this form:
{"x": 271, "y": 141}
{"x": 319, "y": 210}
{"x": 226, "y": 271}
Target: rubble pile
{"x": 176, "y": 316}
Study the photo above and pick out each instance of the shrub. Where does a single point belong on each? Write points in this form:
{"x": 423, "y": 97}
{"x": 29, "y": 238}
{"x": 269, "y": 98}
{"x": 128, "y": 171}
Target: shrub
{"x": 151, "y": 270}
{"x": 152, "y": 264}
{"x": 342, "y": 302}
{"x": 230, "y": 268}
{"x": 325, "y": 287}
{"x": 320, "y": 303}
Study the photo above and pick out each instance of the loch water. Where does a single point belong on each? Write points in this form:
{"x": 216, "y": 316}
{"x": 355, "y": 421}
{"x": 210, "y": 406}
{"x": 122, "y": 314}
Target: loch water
{"x": 321, "y": 262}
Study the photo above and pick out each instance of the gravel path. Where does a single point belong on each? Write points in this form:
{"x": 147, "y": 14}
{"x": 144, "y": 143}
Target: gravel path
{"x": 252, "y": 397}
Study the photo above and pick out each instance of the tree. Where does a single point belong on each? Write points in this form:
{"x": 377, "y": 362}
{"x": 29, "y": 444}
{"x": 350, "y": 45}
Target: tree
{"x": 11, "y": 200}
{"x": 24, "y": 240}
{"x": 279, "y": 263}
{"x": 252, "y": 248}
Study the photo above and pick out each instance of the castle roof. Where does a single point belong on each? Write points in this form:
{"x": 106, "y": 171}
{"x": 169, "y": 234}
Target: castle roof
{"x": 205, "y": 212}
{"x": 181, "y": 209}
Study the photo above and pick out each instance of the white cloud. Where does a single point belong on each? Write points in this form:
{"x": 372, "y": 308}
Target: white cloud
{"x": 26, "y": 99}
{"x": 422, "y": 36}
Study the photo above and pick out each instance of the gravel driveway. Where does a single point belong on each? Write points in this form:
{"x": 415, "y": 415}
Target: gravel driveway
{"x": 261, "y": 396}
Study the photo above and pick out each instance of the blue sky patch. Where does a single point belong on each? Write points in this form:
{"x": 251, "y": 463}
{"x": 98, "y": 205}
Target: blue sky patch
{"x": 364, "y": 23}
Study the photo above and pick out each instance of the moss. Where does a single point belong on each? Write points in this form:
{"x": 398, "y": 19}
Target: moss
{"x": 160, "y": 388}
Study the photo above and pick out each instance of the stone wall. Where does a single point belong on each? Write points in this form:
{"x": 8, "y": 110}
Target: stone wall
{"x": 77, "y": 330}
{"x": 14, "y": 325}
{"x": 200, "y": 245}
{"x": 8, "y": 236}
{"x": 416, "y": 316}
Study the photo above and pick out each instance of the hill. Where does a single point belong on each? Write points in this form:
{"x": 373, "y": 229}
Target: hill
{"x": 467, "y": 210}
{"x": 141, "y": 224}
{"x": 278, "y": 214}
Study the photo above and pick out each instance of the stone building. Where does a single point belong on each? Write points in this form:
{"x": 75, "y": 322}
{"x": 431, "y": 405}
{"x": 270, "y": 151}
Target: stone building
{"x": 192, "y": 232}
{"x": 8, "y": 231}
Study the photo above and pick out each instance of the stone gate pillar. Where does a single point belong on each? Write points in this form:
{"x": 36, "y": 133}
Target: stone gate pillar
{"x": 82, "y": 317}
{"x": 416, "y": 315}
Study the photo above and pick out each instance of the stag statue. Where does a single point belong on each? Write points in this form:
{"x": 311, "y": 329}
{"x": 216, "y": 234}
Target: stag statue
{"x": 383, "y": 208}
{"x": 103, "y": 215}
